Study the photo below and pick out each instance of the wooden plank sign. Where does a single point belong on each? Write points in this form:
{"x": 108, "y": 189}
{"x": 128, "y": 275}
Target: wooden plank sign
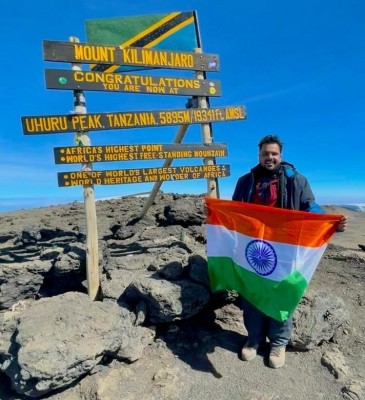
{"x": 135, "y": 56}
{"x": 99, "y": 81}
{"x": 33, "y": 125}
{"x": 90, "y": 154}
{"x": 124, "y": 176}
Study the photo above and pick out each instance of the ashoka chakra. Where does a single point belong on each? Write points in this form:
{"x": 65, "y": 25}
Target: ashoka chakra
{"x": 261, "y": 256}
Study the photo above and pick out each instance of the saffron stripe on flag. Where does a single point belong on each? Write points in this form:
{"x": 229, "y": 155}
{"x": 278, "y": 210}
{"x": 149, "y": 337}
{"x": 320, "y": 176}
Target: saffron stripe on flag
{"x": 284, "y": 226}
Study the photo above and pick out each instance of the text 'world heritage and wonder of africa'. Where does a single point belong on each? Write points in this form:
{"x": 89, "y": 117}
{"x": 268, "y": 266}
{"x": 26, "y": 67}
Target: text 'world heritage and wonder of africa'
{"x": 125, "y": 176}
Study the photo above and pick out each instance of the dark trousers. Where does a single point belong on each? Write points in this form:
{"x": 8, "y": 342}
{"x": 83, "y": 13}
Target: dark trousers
{"x": 259, "y": 326}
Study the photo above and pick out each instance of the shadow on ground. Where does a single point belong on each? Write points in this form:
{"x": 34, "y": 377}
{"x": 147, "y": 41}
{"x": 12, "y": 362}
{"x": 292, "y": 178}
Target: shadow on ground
{"x": 193, "y": 339}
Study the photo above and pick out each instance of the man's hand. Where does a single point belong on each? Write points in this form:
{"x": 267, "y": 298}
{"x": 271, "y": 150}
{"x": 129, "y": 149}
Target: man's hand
{"x": 342, "y": 225}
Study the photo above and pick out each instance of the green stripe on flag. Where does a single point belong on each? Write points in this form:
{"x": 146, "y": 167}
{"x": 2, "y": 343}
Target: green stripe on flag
{"x": 278, "y": 300}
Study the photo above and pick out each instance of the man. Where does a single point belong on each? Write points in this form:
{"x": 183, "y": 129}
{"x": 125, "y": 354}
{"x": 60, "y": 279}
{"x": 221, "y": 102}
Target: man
{"x": 273, "y": 183}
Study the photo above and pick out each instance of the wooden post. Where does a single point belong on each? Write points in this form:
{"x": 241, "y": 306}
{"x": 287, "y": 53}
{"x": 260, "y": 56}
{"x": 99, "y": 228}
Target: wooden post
{"x": 212, "y": 183}
{"x": 92, "y": 245}
{"x": 156, "y": 187}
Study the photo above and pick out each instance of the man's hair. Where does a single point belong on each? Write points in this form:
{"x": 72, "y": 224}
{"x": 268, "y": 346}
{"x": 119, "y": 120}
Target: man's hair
{"x": 271, "y": 139}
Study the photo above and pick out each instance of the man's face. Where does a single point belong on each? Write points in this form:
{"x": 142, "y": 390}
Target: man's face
{"x": 270, "y": 156}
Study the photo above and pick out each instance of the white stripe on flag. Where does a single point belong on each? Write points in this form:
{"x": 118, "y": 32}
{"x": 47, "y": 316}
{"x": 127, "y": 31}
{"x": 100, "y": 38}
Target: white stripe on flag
{"x": 222, "y": 242}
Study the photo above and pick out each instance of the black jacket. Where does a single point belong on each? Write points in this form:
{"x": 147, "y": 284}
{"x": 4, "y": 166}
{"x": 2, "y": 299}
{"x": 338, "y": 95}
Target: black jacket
{"x": 294, "y": 190}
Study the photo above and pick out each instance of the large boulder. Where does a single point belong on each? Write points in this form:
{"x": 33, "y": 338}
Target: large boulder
{"x": 60, "y": 339}
{"x": 317, "y": 318}
{"x": 168, "y": 301}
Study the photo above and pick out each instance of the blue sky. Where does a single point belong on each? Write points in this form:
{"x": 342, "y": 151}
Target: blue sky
{"x": 298, "y": 68}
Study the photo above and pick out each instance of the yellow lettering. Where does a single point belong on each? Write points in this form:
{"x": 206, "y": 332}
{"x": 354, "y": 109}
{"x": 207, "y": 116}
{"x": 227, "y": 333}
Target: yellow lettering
{"x": 132, "y": 88}
{"x": 147, "y": 57}
{"x": 46, "y": 124}
{"x": 151, "y": 178}
{"x": 154, "y": 89}
{"x": 151, "y": 147}
{"x": 94, "y": 121}
{"x": 209, "y": 153}
{"x": 94, "y": 53}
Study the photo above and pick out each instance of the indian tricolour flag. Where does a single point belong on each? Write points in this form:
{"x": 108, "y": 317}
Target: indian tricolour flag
{"x": 266, "y": 254}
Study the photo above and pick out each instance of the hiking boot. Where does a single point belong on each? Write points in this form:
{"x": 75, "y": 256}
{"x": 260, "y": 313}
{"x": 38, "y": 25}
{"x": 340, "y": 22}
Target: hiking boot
{"x": 277, "y": 357}
{"x": 249, "y": 353}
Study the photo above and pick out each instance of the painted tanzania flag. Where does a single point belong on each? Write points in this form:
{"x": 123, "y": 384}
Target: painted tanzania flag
{"x": 170, "y": 31}
{"x": 266, "y": 254}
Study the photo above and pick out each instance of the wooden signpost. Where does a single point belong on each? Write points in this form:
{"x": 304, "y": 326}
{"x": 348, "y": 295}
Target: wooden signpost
{"x": 33, "y": 125}
{"x": 148, "y": 84}
{"x": 82, "y": 123}
{"x": 87, "y": 53}
{"x": 91, "y": 154}
{"x": 141, "y": 175}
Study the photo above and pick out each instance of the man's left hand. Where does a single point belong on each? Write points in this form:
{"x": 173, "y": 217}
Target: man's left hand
{"x": 342, "y": 224}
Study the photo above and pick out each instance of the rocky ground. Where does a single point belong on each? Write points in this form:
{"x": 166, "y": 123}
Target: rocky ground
{"x": 184, "y": 356}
